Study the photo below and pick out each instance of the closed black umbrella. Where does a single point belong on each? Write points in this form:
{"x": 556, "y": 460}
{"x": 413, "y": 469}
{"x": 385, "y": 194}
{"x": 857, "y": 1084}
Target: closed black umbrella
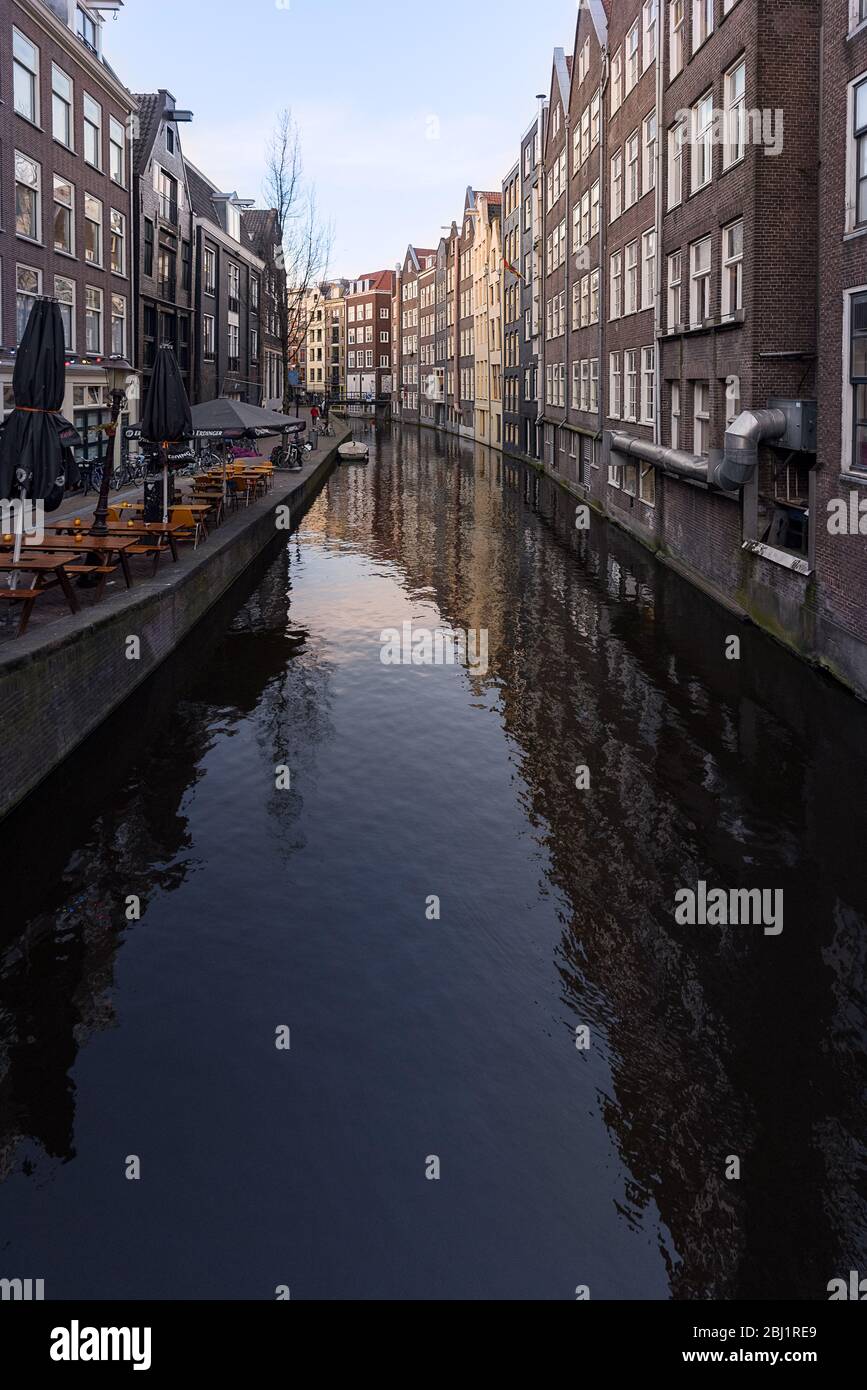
{"x": 166, "y": 418}
{"x": 36, "y": 458}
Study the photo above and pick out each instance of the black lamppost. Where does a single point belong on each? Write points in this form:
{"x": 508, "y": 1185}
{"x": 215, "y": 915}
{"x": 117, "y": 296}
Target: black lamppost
{"x": 117, "y": 373}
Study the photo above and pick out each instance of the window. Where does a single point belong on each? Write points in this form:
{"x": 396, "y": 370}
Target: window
{"x": 858, "y": 380}
{"x": 648, "y": 171}
{"x": 649, "y": 13}
{"x": 594, "y": 383}
{"x": 631, "y": 288}
{"x": 254, "y": 345}
{"x": 210, "y": 271}
{"x": 594, "y": 208}
{"x": 732, "y": 268}
{"x": 118, "y": 242}
{"x": 234, "y": 288}
{"x": 859, "y": 132}
{"x": 585, "y": 131}
{"x": 234, "y": 343}
{"x": 648, "y": 269}
{"x": 208, "y": 335}
{"x": 92, "y": 132}
{"x": 594, "y": 296}
{"x": 675, "y": 37}
{"x": 699, "y": 278}
{"x": 92, "y": 229}
{"x": 171, "y": 138}
{"x": 116, "y": 151}
{"x": 734, "y": 114}
{"x": 702, "y": 142}
{"x": 64, "y": 216}
{"x": 594, "y": 121}
{"x": 385, "y": 362}
{"x": 631, "y": 191}
{"x": 616, "y": 81}
{"x": 25, "y": 77}
{"x": 614, "y": 385}
{"x": 616, "y": 285}
{"x": 616, "y": 184}
{"x": 732, "y": 388}
{"x": 186, "y": 265}
{"x": 675, "y": 415}
{"x": 87, "y": 28}
{"x": 61, "y": 106}
{"x": 676, "y": 140}
{"x": 673, "y": 316}
{"x": 64, "y": 293}
{"x": 576, "y": 385}
{"x": 701, "y": 417}
{"x": 149, "y": 247}
{"x": 632, "y": 57}
{"x": 702, "y": 22}
{"x": 254, "y": 293}
{"x": 28, "y": 287}
{"x": 28, "y": 197}
{"x": 630, "y": 395}
{"x": 383, "y": 313}
{"x": 118, "y": 325}
{"x": 576, "y": 149}
{"x": 93, "y": 319}
{"x": 647, "y": 402}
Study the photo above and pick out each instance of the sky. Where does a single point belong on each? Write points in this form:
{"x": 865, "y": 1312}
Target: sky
{"x": 397, "y": 113}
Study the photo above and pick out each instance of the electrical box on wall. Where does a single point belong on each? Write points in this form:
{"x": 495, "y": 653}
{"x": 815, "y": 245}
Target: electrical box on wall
{"x": 800, "y": 432}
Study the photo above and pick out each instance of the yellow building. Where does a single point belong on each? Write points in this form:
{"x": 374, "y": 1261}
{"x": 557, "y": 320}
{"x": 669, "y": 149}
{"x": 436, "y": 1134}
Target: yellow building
{"x": 487, "y": 268}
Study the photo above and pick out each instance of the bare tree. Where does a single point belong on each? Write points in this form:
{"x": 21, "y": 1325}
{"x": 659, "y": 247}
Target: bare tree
{"x": 299, "y": 260}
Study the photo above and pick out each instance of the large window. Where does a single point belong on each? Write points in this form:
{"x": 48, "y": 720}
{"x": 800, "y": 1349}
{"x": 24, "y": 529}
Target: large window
{"x": 648, "y": 269}
{"x": 632, "y": 42}
{"x": 28, "y": 197}
{"x": 673, "y": 316}
{"x": 647, "y": 401}
{"x": 234, "y": 289}
{"x": 116, "y": 148}
{"x": 118, "y": 325}
{"x": 93, "y": 319}
{"x": 616, "y": 81}
{"x": 28, "y": 287}
{"x": 649, "y": 14}
{"x": 616, "y": 285}
{"x": 631, "y": 296}
{"x": 616, "y": 184}
{"x": 699, "y": 282}
{"x": 858, "y": 380}
{"x": 702, "y": 22}
{"x": 210, "y": 271}
{"x": 648, "y": 143}
{"x": 118, "y": 242}
{"x": 701, "y": 156}
{"x": 701, "y": 417}
{"x": 732, "y": 268}
{"x": 630, "y": 393}
{"x": 859, "y": 201}
{"x": 148, "y": 246}
{"x": 92, "y": 132}
{"x": 64, "y": 216}
{"x": 734, "y": 110}
{"x": 64, "y": 293}
{"x": 676, "y": 140}
{"x": 92, "y": 229}
{"x": 208, "y": 335}
{"x": 675, "y": 415}
{"x": 61, "y": 106}
{"x": 87, "y": 28}
{"x": 675, "y": 37}
{"x": 25, "y": 77}
{"x": 631, "y": 191}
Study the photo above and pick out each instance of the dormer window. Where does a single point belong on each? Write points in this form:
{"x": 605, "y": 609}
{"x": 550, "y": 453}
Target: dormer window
{"x": 170, "y": 139}
{"x": 233, "y": 222}
{"x": 86, "y": 29}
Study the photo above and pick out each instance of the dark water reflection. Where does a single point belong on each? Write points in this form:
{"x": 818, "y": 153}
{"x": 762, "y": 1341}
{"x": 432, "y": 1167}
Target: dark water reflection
{"x": 263, "y": 907}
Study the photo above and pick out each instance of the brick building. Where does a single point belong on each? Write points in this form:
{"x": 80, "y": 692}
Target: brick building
{"x": 163, "y": 226}
{"x": 66, "y": 213}
{"x": 465, "y": 408}
{"x": 369, "y": 334}
{"x": 554, "y": 365}
{"x": 512, "y": 314}
{"x": 261, "y": 227}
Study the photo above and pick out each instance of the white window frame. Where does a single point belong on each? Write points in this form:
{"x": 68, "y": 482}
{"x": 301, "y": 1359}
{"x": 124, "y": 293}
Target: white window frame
{"x": 699, "y": 298}
{"x": 69, "y": 343}
{"x": 115, "y": 128}
{"x": 676, "y": 142}
{"x": 732, "y": 273}
{"x": 676, "y": 31}
{"x": 630, "y": 385}
{"x": 34, "y": 75}
{"x": 631, "y": 278}
{"x": 96, "y": 290}
{"x": 649, "y": 27}
{"x": 734, "y": 115}
{"x": 70, "y": 207}
{"x": 615, "y": 285}
{"x": 616, "y": 81}
{"x": 632, "y": 169}
{"x": 674, "y": 418}
{"x": 100, "y": 261}
{"x": 701, "y": 148}
{"x": 702, "y": 22}
{"x": 20, "y": 265}
{"x": 616, "y": 185}
{"x": 648, "y": 268}
{"x": 115, "y": 298}
{"x": 97, "y": 125}
{"x": 700, "y": 417}
{"x": 37, "y": 189}
{"x": 69, "y": 106}
{"x": 615, "y": 400}
{"x": 648, "y": 153}
{"x": 646, "y": 385}
{"x": 674, "y": 297}
{"x": 856, "y": 151}
{"x": 632, "y": 56}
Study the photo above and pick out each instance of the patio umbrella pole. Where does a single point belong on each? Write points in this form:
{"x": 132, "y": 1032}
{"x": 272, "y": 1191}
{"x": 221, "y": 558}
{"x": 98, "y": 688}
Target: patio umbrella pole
{"x": 165, "y": 485}
{"x": 19, "y": 539}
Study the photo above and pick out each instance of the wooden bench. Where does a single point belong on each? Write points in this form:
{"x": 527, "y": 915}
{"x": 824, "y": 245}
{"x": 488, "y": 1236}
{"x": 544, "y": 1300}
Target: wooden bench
{"x": 26, "y": 597}
{"x": 102, "y": 570}
{"x": 146, "y": 548}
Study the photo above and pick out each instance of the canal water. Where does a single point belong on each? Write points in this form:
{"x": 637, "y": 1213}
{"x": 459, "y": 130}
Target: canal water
{"x": 510, "y": 1071}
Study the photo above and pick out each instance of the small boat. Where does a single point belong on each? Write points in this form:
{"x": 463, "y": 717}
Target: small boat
{"x": 353, "y": 452}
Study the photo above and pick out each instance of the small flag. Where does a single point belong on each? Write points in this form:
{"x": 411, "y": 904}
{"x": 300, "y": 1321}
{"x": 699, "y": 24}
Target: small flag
{"x": 512, "y": 269}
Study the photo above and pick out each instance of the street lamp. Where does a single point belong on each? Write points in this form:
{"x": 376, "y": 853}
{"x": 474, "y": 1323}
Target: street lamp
{"x": 117, "y": 374}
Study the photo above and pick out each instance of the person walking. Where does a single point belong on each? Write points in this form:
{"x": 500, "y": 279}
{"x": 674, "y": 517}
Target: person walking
{"x": 314, "y": 420}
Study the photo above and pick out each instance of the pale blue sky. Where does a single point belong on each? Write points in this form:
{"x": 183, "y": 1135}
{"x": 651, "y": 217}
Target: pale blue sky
{"x": 364, "y": 82}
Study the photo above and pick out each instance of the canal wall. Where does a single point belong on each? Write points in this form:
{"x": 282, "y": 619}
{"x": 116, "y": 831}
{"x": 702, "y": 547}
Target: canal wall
{"x": 60, "y": 682}
{"x": 698, "y": 534}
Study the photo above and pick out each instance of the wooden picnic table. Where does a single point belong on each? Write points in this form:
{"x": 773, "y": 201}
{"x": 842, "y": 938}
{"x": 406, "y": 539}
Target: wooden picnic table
{"x": 109, "y": 546}
{"x": 136, "y": 530}
{"x": 42, "y": 567}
